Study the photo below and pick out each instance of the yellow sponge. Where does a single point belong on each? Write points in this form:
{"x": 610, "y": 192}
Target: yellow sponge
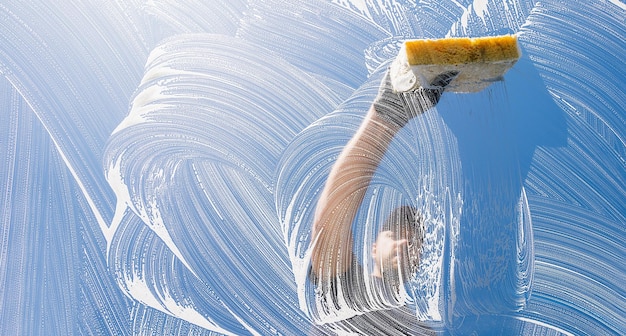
{"x": 478, "y": 61}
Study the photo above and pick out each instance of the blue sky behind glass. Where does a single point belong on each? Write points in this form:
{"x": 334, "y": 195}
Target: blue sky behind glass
{"x": 161, "y": 162}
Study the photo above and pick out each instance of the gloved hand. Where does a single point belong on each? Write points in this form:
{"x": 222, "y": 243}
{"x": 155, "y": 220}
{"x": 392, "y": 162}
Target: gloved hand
{"x": 400, "y": 107}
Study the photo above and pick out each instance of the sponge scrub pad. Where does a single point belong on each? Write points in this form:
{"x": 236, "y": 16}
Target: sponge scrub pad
{"x": 478, "y": 61}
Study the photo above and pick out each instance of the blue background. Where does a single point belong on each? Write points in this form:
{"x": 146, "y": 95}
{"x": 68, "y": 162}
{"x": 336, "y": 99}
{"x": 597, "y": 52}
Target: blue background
{"x": 151, "y": 151}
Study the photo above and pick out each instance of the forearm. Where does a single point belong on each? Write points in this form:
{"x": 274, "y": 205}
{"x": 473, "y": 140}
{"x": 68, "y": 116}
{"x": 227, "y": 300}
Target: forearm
{"x": 344, "y": 191}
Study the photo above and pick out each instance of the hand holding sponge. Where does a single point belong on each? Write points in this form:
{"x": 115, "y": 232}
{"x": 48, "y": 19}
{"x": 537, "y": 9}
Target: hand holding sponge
{"x": 478, "y": 62}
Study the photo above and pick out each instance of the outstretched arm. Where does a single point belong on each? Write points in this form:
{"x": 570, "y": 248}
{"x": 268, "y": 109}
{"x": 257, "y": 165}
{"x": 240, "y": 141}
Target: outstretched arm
{"x": 351, "y": 174}
{"x": 343, "y": 193}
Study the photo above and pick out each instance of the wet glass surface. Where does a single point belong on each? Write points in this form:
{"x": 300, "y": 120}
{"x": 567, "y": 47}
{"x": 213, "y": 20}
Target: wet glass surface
{"x": 162, "y": 162}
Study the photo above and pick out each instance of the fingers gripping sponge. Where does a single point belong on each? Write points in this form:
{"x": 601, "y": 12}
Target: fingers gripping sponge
{"x": 478, "y": 61}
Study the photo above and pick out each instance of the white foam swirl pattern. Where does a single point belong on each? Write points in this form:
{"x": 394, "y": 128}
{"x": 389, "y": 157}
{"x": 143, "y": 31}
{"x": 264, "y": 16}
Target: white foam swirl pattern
{"x": 194, "y": 160}
{"x": 199, "y": 224}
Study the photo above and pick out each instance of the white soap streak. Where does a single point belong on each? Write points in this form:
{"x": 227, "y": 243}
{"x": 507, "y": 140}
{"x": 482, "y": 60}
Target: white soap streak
{"x": 192, "y": 16}
{"x": 359, "y": 6}
{"x": 55, "y": 91}
{"x": 197, "y": 169}
{"x": 147, "y": 209}
{"x": 525, "y": 246}
{"x": 35, "y": 285}
{"x": 436, "y": 17}
{"x": 154, "y": 277}
{"x": 576, "y": 191}
{"x": 329, "y": 41}
{"x": 140, "y": 291}
{"x": 490, "y": 17}
{"x": 480, "y": 8}
{"x": 395, "y": 17}
{"x": 61, "y": 59}
{"x": 407, "y": 19}
{"x": 619, "y": 4}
